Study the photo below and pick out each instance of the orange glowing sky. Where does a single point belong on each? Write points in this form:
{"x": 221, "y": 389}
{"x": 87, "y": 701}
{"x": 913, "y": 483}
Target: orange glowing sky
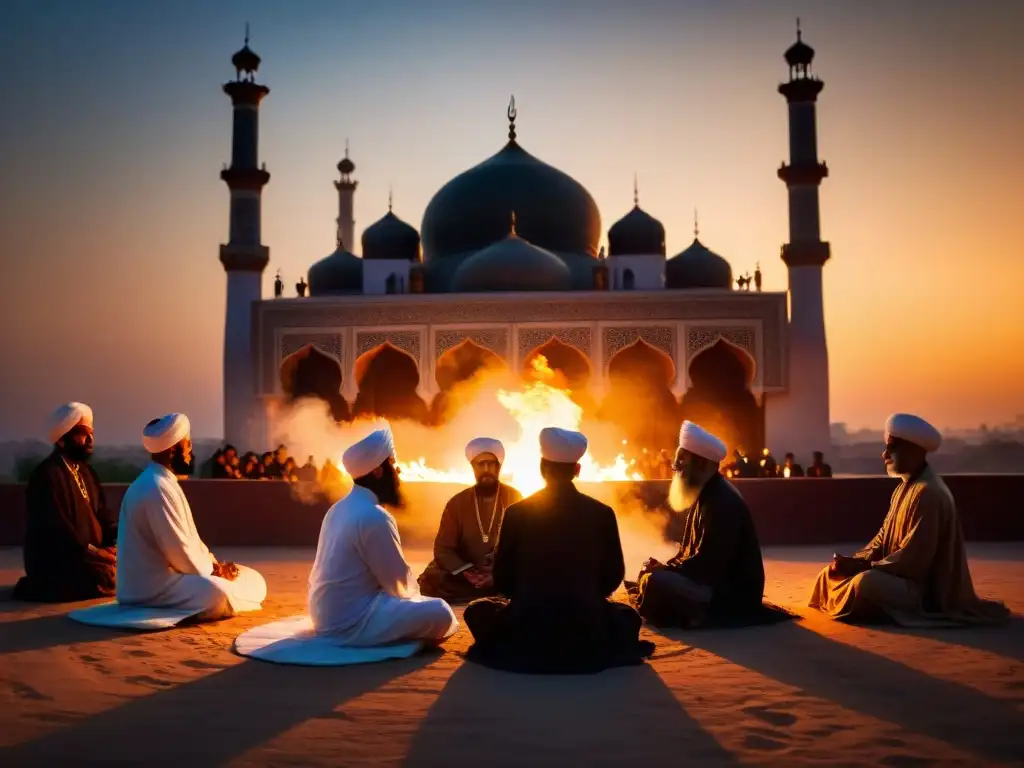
{"x": 114, "y": 130}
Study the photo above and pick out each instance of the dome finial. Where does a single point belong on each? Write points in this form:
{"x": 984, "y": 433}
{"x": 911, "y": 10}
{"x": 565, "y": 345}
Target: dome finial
{"x": 346, "y": 147}
{"x": 391, "y": 198}
{"x": 512, "y": 228}
{"x": 247, "y": 33}
{"x": 636, "y": 191}
{"x": 696, "y": 227}
{"x": 512, "y": 118}
{"x": 799, "y": 35}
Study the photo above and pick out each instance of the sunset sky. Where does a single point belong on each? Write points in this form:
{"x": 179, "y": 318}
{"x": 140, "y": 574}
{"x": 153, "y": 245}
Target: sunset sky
{"x": 113, "y": 130}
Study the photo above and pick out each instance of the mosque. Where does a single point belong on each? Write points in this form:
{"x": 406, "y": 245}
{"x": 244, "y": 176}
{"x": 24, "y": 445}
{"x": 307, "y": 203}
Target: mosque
{"x": 506, "y": 266}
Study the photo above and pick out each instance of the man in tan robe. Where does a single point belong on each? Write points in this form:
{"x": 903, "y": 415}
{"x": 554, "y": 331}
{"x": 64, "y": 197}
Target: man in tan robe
{"x": 915, "y": 570}
{"x": 464, "y": 547}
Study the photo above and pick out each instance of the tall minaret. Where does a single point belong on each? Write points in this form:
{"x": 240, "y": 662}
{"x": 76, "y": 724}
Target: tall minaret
{"x": 804, "y": 255}
{"x": 346, "y": 204}
{"x": 244, "y": 257}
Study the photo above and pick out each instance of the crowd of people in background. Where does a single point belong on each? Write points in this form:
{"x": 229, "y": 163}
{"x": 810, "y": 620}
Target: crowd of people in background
{"x": 228, "y": 464}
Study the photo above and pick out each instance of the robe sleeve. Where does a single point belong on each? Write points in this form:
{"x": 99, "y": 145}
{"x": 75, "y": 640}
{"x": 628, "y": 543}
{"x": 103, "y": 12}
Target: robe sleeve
{"x": 446, "y": 544}
{"x": 718, "y": 532}
{"x": 183, "y": 550}
{"x": 613, "y": 566}
{"x": 51, "y": 515}
{"x": 382, "y": 552}
{"x": 504, "y": 571}
{"x": 913, "y": 556}
{"x": 873, "y": 551}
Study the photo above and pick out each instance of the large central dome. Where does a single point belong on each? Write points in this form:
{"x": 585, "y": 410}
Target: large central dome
{"x": 470, "y": 212}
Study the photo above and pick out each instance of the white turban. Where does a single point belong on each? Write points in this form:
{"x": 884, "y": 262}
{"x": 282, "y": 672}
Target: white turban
{"x": 369, "y": 453}
{"x": 65, "y": 418}
{"x": 166, "y": 433}
{"x": 914, "y": 430}
{"x": 699, "y": 441}
{"x": 562, "y": 446}
{"x": 483, "y": 445}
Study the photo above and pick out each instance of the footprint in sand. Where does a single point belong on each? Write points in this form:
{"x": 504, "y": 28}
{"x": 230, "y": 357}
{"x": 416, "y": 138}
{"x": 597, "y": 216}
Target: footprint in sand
{"x": 196, "y": 664}
{"x": 140, "y": 653}
{"x": 96, "y": 663}
{"x": 28, "y": 692}
{"x": 147, "y": 680}
{"x": 771, "y": 716}
{"x": 828, "y": 730}
{"x": 763, "y": 743}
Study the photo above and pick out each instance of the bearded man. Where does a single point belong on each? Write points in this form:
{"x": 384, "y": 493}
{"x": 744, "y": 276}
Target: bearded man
{"x": 361, "y": 590}
{"x": 914, "y": 571}
{"x": 464, "y": 547}
{"x": 163, "y": 562}
{"x": 70, "y": 533}
{"x": 717, "y": 576}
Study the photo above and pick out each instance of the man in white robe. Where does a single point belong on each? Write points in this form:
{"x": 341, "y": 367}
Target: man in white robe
{"x": 361, "y": 589}
{"x": 162, "y": 562}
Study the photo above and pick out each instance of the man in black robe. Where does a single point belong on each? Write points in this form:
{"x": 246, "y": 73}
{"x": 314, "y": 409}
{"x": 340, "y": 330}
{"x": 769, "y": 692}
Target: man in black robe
{"x": 557, "y": 562}
{"x": 70, "y": 533}
{"x": 717, "y": 577}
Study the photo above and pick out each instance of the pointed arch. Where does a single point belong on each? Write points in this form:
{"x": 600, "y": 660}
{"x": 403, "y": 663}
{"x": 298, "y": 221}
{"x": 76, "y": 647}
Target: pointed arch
{"x": 388, "y": 378}
{"x": 464, "y": 361}
{"x": 572, "y": 367}
{"x": 720, "y": 399}
{"x": 639, "y": 400}
{"x": 311, "y": 373}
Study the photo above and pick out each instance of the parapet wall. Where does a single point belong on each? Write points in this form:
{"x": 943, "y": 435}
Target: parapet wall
{"x": 787, "y": 512}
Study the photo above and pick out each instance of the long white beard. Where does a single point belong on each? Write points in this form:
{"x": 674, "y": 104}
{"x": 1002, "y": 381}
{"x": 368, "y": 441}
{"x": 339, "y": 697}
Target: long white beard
{"x": 682, "y": 495}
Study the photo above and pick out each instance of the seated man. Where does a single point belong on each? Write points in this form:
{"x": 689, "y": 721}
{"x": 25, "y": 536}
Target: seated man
{"x": 557, "y": 561}
{"x": 361, "y": 589}
{"x": 70, "y": 532}
{"x": 915, "y": 570}
{"x": 463, "y": 549}
{"x": 162, "y": 562}
{"x": 718, "y": 575}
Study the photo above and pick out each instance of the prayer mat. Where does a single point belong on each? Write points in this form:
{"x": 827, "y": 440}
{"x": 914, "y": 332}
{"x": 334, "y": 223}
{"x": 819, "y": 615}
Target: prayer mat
{"x": 294, "y": 641}
{"x": 140, "y": 617}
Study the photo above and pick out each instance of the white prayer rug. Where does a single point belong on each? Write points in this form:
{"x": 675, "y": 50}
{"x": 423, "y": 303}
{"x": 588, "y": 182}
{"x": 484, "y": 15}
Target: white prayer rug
{"x": 294, "y": 641}
{"x": 140, "y": 617}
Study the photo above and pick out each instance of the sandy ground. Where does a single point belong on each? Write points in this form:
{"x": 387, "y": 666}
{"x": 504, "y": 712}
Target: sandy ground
{"x": 808, "y": 692}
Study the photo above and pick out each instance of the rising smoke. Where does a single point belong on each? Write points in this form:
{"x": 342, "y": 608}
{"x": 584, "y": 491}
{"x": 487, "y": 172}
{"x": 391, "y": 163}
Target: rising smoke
{"x": 473, "y": 409}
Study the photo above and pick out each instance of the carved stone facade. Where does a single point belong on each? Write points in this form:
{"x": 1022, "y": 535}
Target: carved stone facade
{"x": 599, "y": 325}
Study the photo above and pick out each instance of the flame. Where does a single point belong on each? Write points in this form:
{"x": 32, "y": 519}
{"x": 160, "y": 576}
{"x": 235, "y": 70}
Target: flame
{"x": 540, "y": 403}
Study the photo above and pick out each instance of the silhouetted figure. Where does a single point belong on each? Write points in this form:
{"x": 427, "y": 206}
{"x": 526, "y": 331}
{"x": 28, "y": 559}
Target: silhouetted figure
{"x": 768, "y": 467}
{"x": 300, "y": 287}
{"x": 391, "y": 283}
{"x": 628, "y": 280}
{"x": 278, "y": 286}
{"x": 757, "y": 276}
{"x": 307, "y": 473}
{"x": 740, "y": 466}
{"x": 790, "y": 468}
{"x": 818, "y": 466}
{"x": 267, "y": 467}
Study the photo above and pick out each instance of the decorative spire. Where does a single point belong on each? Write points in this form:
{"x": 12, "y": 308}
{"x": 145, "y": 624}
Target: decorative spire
{"x": 512, "y": 118}
{"x": 346, "y": 147}
{"x": 512, "y": 229}
{"x": 247, "y": 31}
{"x": 339, "y": 238}
{"x": 696, "y": 227}
{"x": 798, "y": 33}
{"x": 636, "y": 191}
{"x": 391, "y": 198}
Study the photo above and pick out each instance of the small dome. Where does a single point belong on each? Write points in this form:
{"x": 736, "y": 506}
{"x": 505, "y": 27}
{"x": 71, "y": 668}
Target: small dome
{"x": 391, "y": 238}
{"x": 698, "y": 267}
{"x": 339, "y": 273}
{"x": 512, "y": 264}
{"x": 636, "y": 233}
{"x": 346, "y": 166}
{"x": 246, "y": 60}
{"x": 799, "y": 53}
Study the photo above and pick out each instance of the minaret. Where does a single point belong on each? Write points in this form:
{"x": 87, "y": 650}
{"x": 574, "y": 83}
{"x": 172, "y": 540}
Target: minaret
{"x": 346, "y": 203}
{"x": 244, "y": 257}
{"x": 805, "y": 255}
